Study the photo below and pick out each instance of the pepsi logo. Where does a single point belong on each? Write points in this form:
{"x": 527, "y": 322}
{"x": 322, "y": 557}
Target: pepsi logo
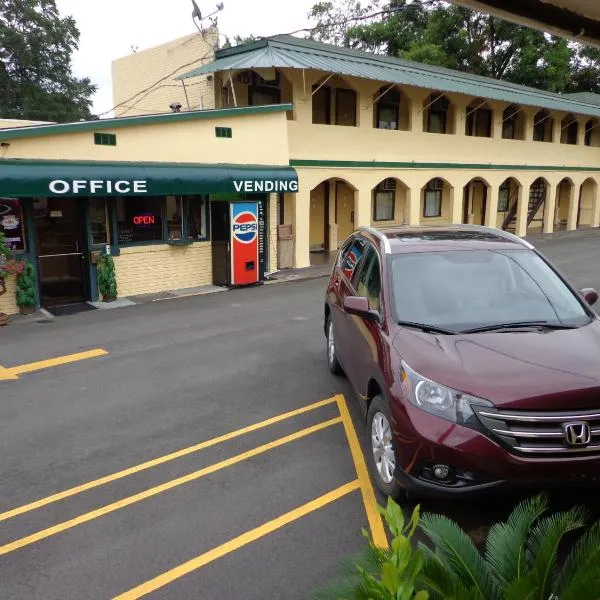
{"x": 245, "y": 227}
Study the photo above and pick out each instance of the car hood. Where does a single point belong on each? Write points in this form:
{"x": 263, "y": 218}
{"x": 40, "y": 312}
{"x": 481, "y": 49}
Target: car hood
{"x": 535, "y": 370}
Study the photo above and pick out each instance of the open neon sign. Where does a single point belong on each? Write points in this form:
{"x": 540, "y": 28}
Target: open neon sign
{"x": 144, "y": 219}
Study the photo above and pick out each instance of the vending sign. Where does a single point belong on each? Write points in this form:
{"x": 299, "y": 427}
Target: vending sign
{"x": 11, "y": 223}
{"x": 244, "y": 243}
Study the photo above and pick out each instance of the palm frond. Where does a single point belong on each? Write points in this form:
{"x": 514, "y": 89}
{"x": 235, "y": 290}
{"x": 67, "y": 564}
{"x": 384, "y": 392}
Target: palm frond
{"x": 583, "y": 559}
{"x": 543, "y": 543}
{"x": 584, "y": 585}
{"x": 458, "y": 554}
{"x": 349, "y": 584}
{"x": 505, "y": 545}
{"x": 523, "y": 588}
{"x": 442, "y": 583}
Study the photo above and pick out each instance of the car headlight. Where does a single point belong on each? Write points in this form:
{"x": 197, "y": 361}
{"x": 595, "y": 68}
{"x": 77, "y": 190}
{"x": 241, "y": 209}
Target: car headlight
{"x": 439, "y": 399}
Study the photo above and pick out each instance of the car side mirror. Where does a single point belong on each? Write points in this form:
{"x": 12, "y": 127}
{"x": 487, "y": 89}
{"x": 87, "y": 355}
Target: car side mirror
{"x": 590, "y": 295}
{"x": 359, "y": 306}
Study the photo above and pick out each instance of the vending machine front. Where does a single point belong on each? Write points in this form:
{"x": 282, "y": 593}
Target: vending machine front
{"x": 244, "y": 232}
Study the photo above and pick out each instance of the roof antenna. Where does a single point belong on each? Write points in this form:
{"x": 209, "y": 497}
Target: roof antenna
{"x": 197, "y": 15}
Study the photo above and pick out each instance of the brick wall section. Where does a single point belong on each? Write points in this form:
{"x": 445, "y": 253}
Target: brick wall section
{"x": 273, "y": 221}
{"x": 148, "y": 269}
{"x": 8, "y": 301}
{"x": 142, "y": 70}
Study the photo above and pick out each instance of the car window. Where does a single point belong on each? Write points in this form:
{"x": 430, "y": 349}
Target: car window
{"x": 478, "y": 288}
{"x": 369, "y": 280}
{"x": 350, "y": 259}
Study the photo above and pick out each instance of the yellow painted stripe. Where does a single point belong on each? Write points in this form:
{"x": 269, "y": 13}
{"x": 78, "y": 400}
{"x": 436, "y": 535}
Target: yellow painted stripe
{"x": 7, "y": 374}
{"x": 109, "y": 508}
{"x": 368, "y": 494}
{"x": 238, "y": 542}
{"x": 161, "y": 460}
{"x": 55, "y": 362}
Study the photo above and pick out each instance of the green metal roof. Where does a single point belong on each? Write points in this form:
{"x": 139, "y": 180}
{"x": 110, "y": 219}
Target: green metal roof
{"x": 288, "y": 52}
{"x": 14, "y": 133}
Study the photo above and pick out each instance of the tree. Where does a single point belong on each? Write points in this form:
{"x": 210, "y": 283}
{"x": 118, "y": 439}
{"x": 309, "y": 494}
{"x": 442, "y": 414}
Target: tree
{"x": 36, "y": 45}
{"x": 238, "y": 40}
{"x": 432, "y": 32}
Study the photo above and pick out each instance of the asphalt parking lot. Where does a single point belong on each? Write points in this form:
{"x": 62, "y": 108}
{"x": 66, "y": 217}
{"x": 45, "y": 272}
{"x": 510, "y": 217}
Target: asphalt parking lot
{"x": 193, "y": 448}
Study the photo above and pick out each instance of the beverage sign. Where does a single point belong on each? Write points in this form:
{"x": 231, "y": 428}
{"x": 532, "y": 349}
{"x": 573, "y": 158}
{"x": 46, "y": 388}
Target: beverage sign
{"x": 244, "y": 243}
{"x": 11, "y": 223}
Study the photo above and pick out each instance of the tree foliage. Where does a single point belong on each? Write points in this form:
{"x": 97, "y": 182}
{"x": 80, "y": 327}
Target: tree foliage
{"x": 36, "y": 82}
{"x": 433, "y": 32}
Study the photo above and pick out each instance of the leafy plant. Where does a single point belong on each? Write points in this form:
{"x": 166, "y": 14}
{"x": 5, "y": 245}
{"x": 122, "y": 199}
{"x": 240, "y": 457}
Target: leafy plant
{"x": 107, "y": 281}
{"x": 26, "y": 285}
{"x": 382, "y": 574}
{"x": 520, "y": 560}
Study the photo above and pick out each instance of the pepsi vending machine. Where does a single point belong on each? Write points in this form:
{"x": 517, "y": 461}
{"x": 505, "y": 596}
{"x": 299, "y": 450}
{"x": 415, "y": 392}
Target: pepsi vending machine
{"x": 237, "y": 242}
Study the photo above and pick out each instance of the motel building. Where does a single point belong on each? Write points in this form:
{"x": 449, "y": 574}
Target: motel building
{"x": 323, "y": 139}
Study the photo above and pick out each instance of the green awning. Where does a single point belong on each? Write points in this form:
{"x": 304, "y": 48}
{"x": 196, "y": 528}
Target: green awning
{"x": 31, "y": 178}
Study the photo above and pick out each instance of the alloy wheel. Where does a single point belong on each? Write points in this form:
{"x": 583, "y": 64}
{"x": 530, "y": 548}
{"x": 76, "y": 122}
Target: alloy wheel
{"x": 381, "y": 444}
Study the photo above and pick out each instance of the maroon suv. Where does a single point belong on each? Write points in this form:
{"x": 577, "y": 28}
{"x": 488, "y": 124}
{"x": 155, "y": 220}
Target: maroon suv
{"x": 476, "y": 363}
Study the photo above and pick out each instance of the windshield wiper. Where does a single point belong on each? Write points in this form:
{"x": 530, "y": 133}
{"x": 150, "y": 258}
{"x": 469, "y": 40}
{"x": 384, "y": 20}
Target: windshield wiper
{"x": 426, "y": 328}
{"x": 519, "y": 325}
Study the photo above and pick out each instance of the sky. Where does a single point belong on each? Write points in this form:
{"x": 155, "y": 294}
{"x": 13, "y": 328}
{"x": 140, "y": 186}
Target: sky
{"x": 110, "y": 28}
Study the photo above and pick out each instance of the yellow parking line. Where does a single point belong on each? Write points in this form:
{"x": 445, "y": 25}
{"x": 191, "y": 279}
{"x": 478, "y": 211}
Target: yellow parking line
{"x": 368, "y": 495}
{"x": 161, "y": 460}
{"x": 238, "y": 542}
{"x": 109, "y": 508}
{"x": 13, "y": 372}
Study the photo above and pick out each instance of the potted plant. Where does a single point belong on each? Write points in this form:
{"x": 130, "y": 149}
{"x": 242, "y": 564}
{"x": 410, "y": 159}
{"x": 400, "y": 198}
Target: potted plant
{"x": 26, "y": 288}
{"x": 107, "y": 281}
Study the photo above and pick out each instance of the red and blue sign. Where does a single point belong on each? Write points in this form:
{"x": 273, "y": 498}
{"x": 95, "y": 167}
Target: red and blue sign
{"x": 244, "y": 243}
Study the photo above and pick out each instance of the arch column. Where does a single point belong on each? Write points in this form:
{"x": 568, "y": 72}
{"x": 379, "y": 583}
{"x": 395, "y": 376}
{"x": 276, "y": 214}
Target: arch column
{"x": 491, "y": 206}
{"x": 302, "y": 226}
{"x": 362, "y": 207}
{"x": 573, "y": 207}
{"x": 456, "y": 200}
{"x": 331, "y": 220}
{"x": 596, "y": 210}
{"x": 549, "y": 206}
{"x": 413, "y": 198}
{"x": 522, "y": 206}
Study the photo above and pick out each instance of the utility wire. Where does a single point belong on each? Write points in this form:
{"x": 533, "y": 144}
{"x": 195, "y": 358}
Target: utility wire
{"x": 145, "y": 92}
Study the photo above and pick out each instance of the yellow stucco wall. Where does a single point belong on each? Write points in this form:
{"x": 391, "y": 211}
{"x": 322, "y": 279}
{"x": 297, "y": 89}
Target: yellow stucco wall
{"x": 8, "y": 301}
{"x": 147, "y": 269}
{"x": 179, "y": 141}
{"x": 317, "y": 218}
{"x": 8, "y": 123}
{"x": 155, "y": 69}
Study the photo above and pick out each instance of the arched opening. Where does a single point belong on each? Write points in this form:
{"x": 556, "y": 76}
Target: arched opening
{"x": 513, "y": 123}
{"x": 392, "y": 109}
{"x": 588, "y": 214}
{"x": 334, "y": 102}
{"x": 389, "y": 202}
{"x": 478, "y": 119}
{"x": 536, "y": 205}
{"x": 438, "y": 114}
{"x": 543, "y": 124}
{"x": 475, "y": 197}
{"x": 508, "y": 203}
{"x": 331, "y": 216}
{"x": 569, "y": 130}
{"x": 592, "y": 133}
{"x": 562, "y": 209}
{"x": 436, "y": 202}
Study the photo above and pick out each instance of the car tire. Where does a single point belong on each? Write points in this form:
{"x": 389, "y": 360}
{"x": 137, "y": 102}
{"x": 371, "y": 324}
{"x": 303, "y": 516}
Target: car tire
{"x": 332, "y": 360}
{"x": 379, "y": 435}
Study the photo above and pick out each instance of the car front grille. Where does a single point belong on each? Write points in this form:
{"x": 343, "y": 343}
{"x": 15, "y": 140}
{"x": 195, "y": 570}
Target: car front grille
{"x": 544, "y": 434}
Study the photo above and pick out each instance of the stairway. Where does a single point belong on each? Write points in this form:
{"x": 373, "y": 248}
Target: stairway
{"x": 536, "y": 201}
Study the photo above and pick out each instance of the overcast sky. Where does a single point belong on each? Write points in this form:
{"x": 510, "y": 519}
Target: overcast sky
{"x": 110, "y": 28}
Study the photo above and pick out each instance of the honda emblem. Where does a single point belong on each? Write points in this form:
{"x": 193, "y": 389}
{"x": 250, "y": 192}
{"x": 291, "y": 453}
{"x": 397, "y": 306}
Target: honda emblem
{"x": 577, "y": 433}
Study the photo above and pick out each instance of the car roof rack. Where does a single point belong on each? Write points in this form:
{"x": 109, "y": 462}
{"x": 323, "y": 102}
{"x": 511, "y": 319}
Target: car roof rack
{"x": 507, "y": 235}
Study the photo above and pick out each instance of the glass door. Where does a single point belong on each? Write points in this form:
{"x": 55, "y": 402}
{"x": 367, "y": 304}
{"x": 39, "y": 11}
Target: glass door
{"x": 60, "y": 229}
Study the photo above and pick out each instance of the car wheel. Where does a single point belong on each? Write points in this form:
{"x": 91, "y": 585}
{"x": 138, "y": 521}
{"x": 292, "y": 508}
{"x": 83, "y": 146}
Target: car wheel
{"x": 332, "y": 360}
{"x": 382, "y": 455}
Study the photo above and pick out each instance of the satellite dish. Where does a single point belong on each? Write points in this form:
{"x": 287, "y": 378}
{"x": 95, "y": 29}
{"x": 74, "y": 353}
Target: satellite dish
{"x": 196, "y": 13}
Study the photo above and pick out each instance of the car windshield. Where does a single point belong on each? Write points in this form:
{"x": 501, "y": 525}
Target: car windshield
{"x": 460, "y": 290}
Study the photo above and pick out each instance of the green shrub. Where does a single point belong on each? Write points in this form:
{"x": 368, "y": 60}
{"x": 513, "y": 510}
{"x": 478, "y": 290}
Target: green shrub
{"x": 26, "y": 285}
{"x": 107, "y": 281}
